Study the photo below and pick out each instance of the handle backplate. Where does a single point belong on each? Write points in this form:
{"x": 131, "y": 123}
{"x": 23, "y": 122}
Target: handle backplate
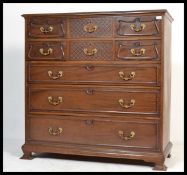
{"x": 141, "y": 52}
{"x": 46, "y": 30}
{"x": 126, "y": 77}
{"x": 90, "y": 51}
{"x": 126, "y": 137}
{"x": 58, "y": 75}
{"x": 54, "y": 102}
{"x": 49, "y": 51}
{"x": 137, "y": 29}
{"x": 125, "y": 104}
{"x": 90, "y": 28}
{"x": 55, "y": 132}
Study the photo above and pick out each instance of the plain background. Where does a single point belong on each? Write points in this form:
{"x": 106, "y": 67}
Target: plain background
{"x": 13, "y": 59}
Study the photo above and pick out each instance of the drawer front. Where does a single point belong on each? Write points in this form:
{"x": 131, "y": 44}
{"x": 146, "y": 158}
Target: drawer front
{"x": 137, "y": 26}
{"x": 46, "y": 50}
{"x": 91, "y": 50}
{"x": 138, "y": 50}
{"x": 93, "y": 73}
{"x": 93, "y": 99}
{"x": 90, "y": 27}
{"x": 88, "y": 131}
{"x": 46, "y": 27}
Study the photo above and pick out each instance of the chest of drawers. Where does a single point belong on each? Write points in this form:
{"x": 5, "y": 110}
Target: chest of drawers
{"x": 98, "y": 84}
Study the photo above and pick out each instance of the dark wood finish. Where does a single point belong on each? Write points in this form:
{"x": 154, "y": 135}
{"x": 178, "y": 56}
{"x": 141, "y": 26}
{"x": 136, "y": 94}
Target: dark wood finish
{"x": 105, "y": 13}
{"x": 98, "y": 132}
{"x": 103, "y": 27}
{"x": 34, "y": 27}
{"x": 58, "y": 51}
{"x": 103, "y": 90}
{"x": 151, "y": 23}
{"x": 94, "y": 73}
{"x": 27, "y": 155}
{"x": 91, "y": 99}
{"x": 152, "y": 50}
{"x": 104, "y": 50}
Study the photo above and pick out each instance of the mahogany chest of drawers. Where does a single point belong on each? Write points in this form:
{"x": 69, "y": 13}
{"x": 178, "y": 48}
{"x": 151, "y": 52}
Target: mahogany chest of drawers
{"x": 98, "y": 84}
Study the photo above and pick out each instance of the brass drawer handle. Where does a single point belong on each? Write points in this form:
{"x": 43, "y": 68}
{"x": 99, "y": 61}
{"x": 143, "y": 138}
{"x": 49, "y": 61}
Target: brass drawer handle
{"x": 55, "y": 132}
{"x": 49, "y": 51}
{"x": 126, "y": 77}
{"x": 135, "y": 28}
{"x": 89, "y": 51}
{"x": 126, "y": 105}
{"x": 59, "y": 74}
{"x": 140, "y": 53}
{"x": 54, "y": 102}
{"x": 128, "y": 137}
{"x": 90, "y": 28}
{"x": 46, "y": 30}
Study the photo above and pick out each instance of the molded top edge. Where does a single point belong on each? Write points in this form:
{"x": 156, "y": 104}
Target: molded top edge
{"x": 102, "y": 13}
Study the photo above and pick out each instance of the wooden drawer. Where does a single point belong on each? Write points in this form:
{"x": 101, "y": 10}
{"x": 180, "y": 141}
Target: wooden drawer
{"x": 91, "y": 50}
{"x": 94, "y": 73}
{"x": 90, "y": 27}
{"x": 46, "y": 50}
{"x": 138, "y": 50}
{"x": 94, "y": 131}
{"x": 39, "y": 27}
{"x": 93, "y": 99}
{"x": 144, "y": 25}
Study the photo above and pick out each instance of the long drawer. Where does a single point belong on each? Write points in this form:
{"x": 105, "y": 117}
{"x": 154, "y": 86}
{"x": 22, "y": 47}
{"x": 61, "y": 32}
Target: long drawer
{"x": 93, "y": 99}
{"x": 94, "y": 131}
{"x": 94, "y": 73}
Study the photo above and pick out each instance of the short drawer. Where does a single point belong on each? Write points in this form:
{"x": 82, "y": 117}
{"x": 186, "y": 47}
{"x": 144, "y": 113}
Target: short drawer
{"x": 44, "y": 27}
{"x": 94, "y": 73}
{"x": 138, "y": 50}
{"x": 137, "y": 26}
{"x": 91, "y": 50}
{"x": 90, "y": 27}
{"x": 46, "y": 50}
{"x": 95, "y": 131}
{"x": 93, "y": 99}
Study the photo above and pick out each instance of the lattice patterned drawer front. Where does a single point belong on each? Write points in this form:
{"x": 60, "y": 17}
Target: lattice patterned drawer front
{"x": 91, "y": 27}
{"x": 91, "y": 50}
